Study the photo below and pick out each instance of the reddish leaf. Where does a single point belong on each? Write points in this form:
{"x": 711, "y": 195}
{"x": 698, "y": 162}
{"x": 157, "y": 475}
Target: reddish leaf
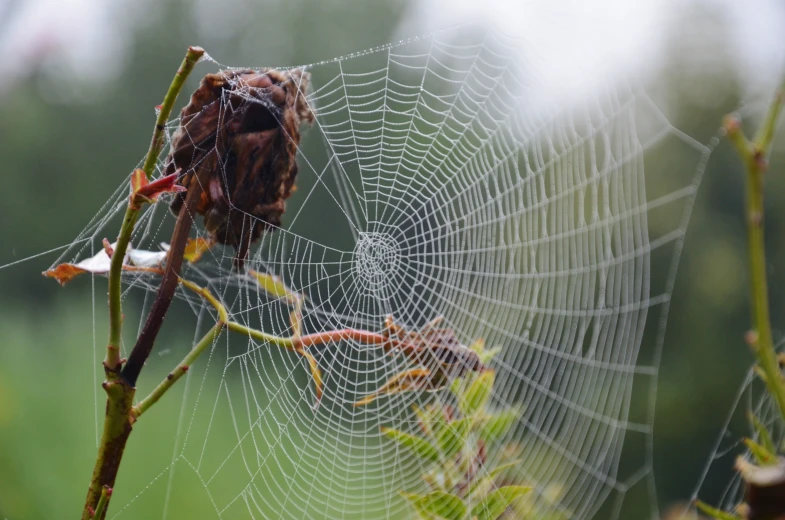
{"x": 143, "y": 191}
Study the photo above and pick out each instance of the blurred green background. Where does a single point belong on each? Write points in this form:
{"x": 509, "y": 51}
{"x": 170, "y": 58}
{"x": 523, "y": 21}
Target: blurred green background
{"x": 68, "y": 136}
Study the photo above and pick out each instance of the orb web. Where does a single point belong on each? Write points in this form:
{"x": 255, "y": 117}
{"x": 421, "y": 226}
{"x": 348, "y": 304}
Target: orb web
{"x": 432, "y": 185}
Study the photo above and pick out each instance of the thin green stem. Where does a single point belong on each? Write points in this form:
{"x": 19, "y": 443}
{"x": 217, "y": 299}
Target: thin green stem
{"x": 754, "y": 156}
{"x": 765, "y": 133}
{"x": 103, "y": 502}
{"x": 193, "y": 55}
{"x": 179, "y": 371}
{"x": 120, "y": 395}
{"x": 113, "y": 361}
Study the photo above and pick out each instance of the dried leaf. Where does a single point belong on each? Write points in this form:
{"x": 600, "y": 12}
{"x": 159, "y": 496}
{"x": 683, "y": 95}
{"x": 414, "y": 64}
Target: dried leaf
{"x": 316, "y": 373}
{"x": 98, "y": 264}
{"x": 142, "y": 258}
{"x": 135, "y": 260}
{"x": 195, "y": 248}
{"x": 238, "y": 139}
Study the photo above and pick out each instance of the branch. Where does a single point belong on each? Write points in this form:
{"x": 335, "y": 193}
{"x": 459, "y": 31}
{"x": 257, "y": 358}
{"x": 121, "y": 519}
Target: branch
{"x": 112, "y": 362}
{"x": 754, "y": 155}
{"x": 103, "y": 502}
{"x": 120, "y": 394}
{"x": 196, "y": 351}
{"x": 163, "y": 299}
{"x": 179, "y": 371}
{"x": 295, "y": 342}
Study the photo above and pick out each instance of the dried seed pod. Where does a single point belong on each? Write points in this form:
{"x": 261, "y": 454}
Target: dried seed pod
{"x": 238, "y": 139}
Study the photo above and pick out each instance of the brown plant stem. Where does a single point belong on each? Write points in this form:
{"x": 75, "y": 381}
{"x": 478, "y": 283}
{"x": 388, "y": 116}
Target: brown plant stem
{"x": 163, "y": 298}
{"x": 120, "y": 394}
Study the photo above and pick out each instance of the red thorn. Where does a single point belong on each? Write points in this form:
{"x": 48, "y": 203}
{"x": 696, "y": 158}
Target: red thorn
{"x": 185, "y": 368}
{"x": 108, "y": 491}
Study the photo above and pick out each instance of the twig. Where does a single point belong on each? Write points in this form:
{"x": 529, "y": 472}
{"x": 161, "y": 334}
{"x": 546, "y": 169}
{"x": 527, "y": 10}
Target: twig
{"x": 179, "y": 371}
{"x": 103, "y": 502}
{"x": 754, "y": 156}
{"x": 296, "y": 343}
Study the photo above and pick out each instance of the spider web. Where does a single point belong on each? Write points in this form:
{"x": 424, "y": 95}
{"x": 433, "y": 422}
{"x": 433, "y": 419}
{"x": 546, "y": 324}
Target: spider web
{"x": 433, "y": 184}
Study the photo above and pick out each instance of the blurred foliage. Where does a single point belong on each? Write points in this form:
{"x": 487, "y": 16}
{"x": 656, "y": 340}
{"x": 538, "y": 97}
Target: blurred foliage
{"x": 62, "y": 160}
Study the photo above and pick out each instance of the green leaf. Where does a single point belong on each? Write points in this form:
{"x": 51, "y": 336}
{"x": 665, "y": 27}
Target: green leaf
{"x": 429, "y": 418}
{"x": 764, "y": 437}
{"x": 497, "y": 502}
{"x": 762, "y": 456}
{"x": 476, "y": 396}
{"x": 417, "y": 445}
{"x": 715, "y": 513}
{"x": 451, "y": 436}
{"x": 438, "y": 505}
{"x": 486, "y": 483}
{"x": 495, "y": 426}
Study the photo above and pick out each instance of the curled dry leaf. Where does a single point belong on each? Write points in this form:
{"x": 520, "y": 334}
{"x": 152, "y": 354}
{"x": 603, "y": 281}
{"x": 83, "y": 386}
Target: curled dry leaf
{"x": 98, "y": 264}
{"x": 237, "y": 140}
{"x": 135, "y": 260}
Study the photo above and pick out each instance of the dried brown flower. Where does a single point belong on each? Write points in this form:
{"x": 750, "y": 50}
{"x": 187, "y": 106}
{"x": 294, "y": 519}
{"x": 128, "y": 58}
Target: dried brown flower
{"x": 238, "y": 139}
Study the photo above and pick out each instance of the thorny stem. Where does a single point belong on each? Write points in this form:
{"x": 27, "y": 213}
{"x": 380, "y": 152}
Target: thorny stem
{"x": 754, "y": 155}
{"x": 120, "y": 394}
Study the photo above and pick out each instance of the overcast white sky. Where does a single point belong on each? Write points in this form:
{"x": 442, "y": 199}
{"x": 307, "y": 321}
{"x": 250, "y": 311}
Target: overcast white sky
{"x": 573, "y": 38}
